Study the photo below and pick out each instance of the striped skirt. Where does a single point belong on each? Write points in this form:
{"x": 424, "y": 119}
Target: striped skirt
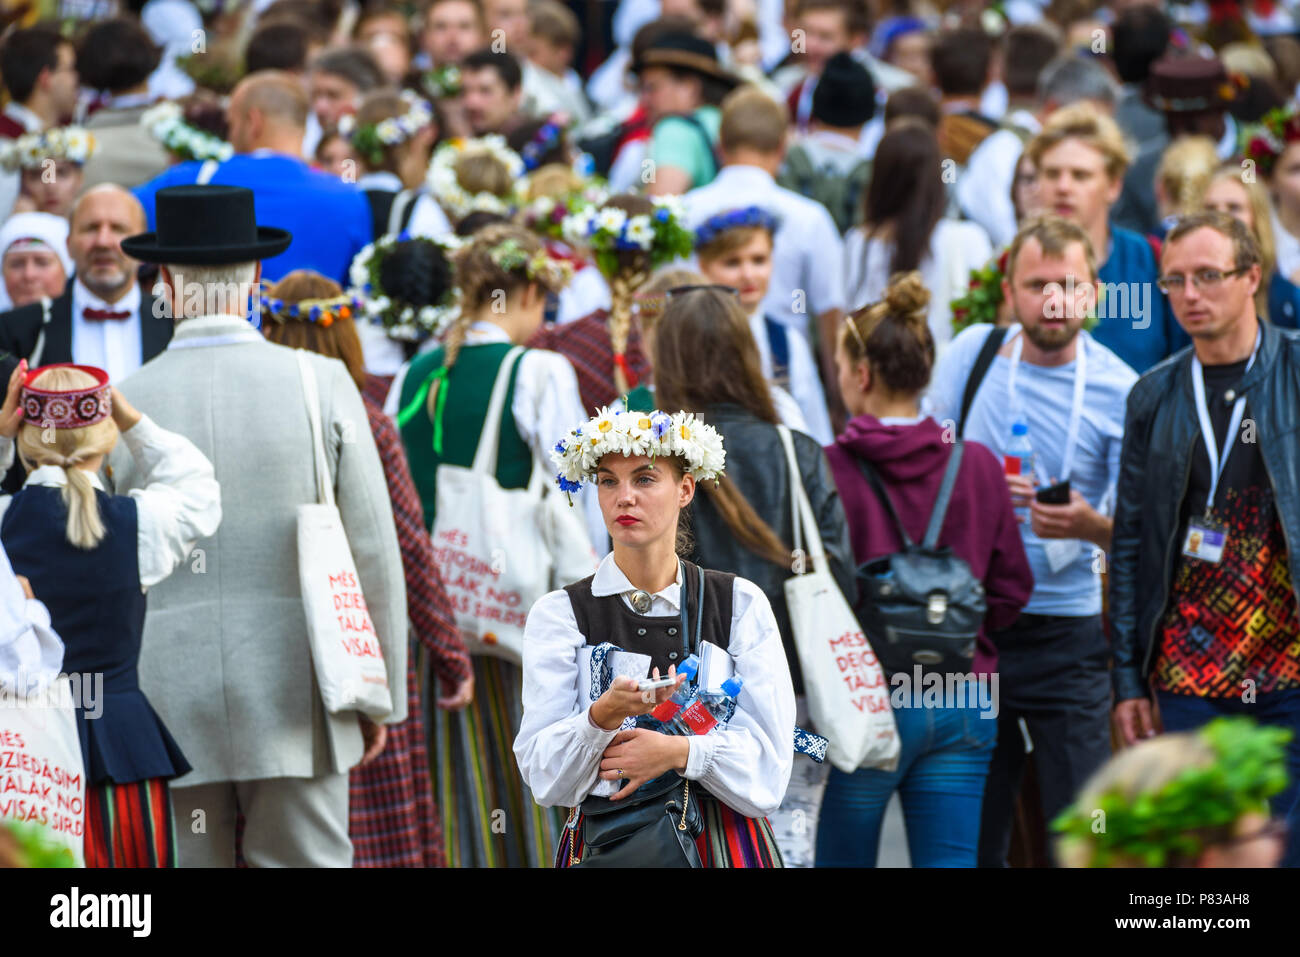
{"x": 489, "y": 818}
{"x": 130, "y": 825}
{"x": 729, "y": 839}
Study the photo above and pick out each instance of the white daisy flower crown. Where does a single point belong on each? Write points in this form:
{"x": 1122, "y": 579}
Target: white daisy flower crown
{"x": 166, "y": 123}
{"x": 578, "y": 455}
{"x": 31, "y": 150}
{"x": 455, "y": 199}
{"x": 402, "y": 321}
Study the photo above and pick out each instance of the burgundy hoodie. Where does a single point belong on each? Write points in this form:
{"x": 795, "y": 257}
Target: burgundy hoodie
{"x": 980, "y": 525}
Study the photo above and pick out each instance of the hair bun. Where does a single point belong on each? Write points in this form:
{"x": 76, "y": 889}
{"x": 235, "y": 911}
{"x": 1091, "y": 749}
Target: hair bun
{"x": 907, "y": 296}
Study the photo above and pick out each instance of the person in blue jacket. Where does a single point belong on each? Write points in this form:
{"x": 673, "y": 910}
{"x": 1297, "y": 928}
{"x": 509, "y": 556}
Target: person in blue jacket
{"x": 1081, "y": 160}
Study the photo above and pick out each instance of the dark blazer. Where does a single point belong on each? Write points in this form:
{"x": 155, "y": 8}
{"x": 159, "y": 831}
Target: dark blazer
{"x": 20, "y": 328}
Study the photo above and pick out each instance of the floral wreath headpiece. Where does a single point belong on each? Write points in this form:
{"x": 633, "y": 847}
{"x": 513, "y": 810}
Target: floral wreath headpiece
{"x": 29, "y": 151}
{"x": 446, "y": 188}
{"x": 370, "y": 139}
{"x": 545, "y": 215}
{"x": 400, "y": 320}
{"x": 539, "y": 267}
{"x": 608, "y": 230}
{"x": 638, "y": 433}
{"x": 322, "y": 311}
{"x": 442, "y": 81}
{"x": 1250, "y": 768}
{"x": 1265, "y": 142}
{"x": 166, "y": 123}
{"x": 70, "y": 408}
{"x": 708, "y": 231}
{"x": 543, "y": 140}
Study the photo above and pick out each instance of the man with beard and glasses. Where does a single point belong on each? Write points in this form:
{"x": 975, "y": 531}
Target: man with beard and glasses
{"x": 1070, "y": 390}
{"x": 102, "y": 319}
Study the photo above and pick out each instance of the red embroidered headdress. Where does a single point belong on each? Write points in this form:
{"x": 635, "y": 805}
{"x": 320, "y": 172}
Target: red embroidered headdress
{"x": 71, "y": 409}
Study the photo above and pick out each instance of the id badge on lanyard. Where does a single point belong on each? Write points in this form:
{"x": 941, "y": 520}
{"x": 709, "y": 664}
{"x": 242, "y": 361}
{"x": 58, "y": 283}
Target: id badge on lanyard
{"x": 1207, "y": 537}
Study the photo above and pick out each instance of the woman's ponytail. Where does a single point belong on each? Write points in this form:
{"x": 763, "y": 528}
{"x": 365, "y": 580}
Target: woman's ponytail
{"x": 85, "y": 528}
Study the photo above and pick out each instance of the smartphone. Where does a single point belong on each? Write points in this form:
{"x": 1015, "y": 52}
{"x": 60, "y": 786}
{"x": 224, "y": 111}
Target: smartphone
{"x": 654, "y": 684}
{"x": 1058, "y": 494}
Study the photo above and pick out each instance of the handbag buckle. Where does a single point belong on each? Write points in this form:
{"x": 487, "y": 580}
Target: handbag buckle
{"x": 937, "y": 608}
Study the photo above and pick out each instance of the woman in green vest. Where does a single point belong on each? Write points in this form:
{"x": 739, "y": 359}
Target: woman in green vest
{"x": 504, "y": 276}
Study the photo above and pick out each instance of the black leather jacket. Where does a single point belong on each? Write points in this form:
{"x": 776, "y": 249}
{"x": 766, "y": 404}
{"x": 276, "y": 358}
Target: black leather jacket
{"x": 1160, "y": 433}
{"x": 756, "y": 464}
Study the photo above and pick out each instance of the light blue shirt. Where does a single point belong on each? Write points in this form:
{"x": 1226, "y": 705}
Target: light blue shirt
{"x": 1045, "y": 394}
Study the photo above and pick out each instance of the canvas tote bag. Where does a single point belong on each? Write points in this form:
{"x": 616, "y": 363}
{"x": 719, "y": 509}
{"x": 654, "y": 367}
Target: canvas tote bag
{"x": 848, "y": 697}
{"x": 499, "y": 550}
{"x": 345, "y": 649}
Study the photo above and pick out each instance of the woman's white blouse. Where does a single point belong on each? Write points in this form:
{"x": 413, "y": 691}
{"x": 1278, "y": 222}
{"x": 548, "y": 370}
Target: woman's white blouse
{"x": 178, "y": 503}
{"x": 746, "y": 765}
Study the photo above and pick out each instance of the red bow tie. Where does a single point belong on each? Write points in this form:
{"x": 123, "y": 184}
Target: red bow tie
{"x": 99, "y": 315}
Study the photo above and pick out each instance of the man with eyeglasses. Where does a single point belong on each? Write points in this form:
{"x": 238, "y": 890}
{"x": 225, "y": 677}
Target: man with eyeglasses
{"x": 1203, "y": 599}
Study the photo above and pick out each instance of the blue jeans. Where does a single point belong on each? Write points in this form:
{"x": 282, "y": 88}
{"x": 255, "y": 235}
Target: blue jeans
{"x": 940, "y": 777}
{"x": 1180, "y": 712}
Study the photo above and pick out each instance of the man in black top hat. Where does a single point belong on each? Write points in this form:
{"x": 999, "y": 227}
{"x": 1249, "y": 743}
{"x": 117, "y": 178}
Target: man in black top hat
{"x": 226, "y": 660}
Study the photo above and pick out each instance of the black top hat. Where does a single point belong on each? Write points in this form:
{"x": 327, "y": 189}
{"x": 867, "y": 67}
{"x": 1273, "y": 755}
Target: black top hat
{"x": 206, "y": 226}
{"x": 846, "y": 94}
{"x": 685, "y": 51}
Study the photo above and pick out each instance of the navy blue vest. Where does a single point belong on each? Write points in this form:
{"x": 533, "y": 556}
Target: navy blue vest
{"x": 97, "y": 607}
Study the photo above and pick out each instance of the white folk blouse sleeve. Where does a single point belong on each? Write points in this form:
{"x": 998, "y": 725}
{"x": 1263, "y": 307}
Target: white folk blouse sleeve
{"x": 178, "y": 500}
{"x": 747, "y": 764}
{"x": 558, "y": 747}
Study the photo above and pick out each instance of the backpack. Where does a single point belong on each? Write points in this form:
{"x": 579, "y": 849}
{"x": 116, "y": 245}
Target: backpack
{"x": 841, "y": 194}
{"x": 922, "y": 605}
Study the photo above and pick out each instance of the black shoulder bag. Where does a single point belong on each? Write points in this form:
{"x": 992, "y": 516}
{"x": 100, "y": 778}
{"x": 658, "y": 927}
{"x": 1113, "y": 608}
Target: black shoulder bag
{"x": 921, "y": 606}
{"x": 655, "y": 826}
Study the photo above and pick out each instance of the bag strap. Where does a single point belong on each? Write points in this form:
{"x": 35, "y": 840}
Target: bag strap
{"x": 206, "y": 172}
{"x": 882, "y": 493}
{"x": 310, "y": 395}
{"x": 485, "y": 456}
{"x": 805, "y": 523}
{"x": 997, "y": 335}
{"x": 399, "y": 214}
{"x": 945, "y": 495}
{"x": 38, "y": 350}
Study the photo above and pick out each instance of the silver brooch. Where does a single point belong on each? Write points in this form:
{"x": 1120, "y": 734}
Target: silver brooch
{"x": 641, "y": 601}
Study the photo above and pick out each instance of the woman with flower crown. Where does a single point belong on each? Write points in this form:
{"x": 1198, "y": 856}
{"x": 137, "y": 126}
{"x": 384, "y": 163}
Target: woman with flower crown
{"x": 628, "y": 236}
{"x": 90, "y": 557}
{"x": 645, "y": 466}
{"x": 392, "y": 136}
{"x": 504, "y": 275}
{"x": 45, "y": 188}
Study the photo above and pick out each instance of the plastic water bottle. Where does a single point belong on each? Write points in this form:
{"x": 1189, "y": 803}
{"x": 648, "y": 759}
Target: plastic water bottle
{"x": 707, "y": 709}
{"x": 667, "y": 710}
{"x": 1019, "y": 457}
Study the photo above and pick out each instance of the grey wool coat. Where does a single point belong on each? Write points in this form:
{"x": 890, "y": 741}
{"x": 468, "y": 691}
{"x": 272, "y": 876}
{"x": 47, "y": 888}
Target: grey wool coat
{"x": 225, "y": 659}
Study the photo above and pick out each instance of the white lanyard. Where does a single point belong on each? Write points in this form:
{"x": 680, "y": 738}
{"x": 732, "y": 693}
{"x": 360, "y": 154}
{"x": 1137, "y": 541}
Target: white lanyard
{"x": 1076, "y": 405}
{"x": 1217, "y": 461}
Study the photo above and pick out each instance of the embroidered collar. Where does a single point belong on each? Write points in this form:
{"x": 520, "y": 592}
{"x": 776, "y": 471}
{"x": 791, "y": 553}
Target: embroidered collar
{"x": 610, "y": 580}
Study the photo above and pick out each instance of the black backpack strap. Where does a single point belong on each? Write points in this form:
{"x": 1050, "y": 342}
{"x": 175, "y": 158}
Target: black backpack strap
{"x": 997, "y": 335}
{"x": 945, "y": 495}
{"x": 882, "y": 493}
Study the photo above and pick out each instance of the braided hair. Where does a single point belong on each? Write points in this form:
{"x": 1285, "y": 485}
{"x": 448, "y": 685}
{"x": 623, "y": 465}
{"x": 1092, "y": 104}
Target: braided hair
{"x": 633, "y": 268}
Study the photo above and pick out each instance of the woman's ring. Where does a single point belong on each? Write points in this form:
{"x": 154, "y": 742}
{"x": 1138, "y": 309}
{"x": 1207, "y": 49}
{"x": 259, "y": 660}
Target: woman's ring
{"x": 620, "y": 772}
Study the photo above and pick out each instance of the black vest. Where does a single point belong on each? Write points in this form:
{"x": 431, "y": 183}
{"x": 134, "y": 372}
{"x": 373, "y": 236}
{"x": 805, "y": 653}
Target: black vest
{"x": 609, "y": 619}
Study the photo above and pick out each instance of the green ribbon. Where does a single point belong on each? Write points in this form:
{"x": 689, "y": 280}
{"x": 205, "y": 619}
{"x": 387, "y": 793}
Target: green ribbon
{"x": 405, "y": 415}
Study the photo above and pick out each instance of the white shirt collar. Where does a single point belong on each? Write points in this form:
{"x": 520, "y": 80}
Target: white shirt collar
{"x": 737, "y": 174}
{"x": 83, "y": 298}
{"x": 20, "y": 114}
{"x": 839, "y": 141}
{"x": 381, "y": 179}
{"x": 610, "y": 580}
{"x": 483, "y": 331}
{"x": 53, "y": 476}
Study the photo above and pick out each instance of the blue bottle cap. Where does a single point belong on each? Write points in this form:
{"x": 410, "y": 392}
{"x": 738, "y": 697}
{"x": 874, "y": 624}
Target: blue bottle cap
{"x": 690, "y": 667}
{"x": 732, "y": 685}
{"x": 1020, "y": 428}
